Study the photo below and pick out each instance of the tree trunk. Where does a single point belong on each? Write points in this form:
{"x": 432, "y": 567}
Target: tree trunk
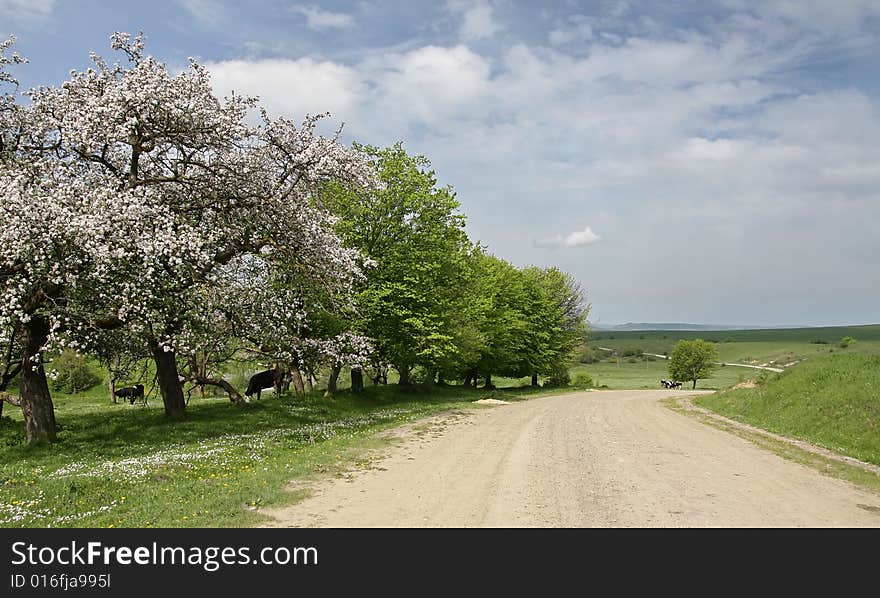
{"x": 331, "y": 381}
{"x": 431, "y": 378}
{"x": 36, "y": 402}
{"x": 404, "y": 375}
{"x": 167, "y": 377}
{"x": 467, "y": 379}
{"x": 296, "y": 376}
{"x": 111, "y": 386}
{"x": 278, "y": 380}
{"x": 535, "y": 379}
{"x": 695, "y": 384}
{"x": 489, "y": 384}
{"x": 357, "y": 379}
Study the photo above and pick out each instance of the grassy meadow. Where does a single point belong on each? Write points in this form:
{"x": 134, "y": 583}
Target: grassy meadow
{"x": 646, "y": 374}
{"x": 630, "y": 365}
{"x": 777, "y": 347}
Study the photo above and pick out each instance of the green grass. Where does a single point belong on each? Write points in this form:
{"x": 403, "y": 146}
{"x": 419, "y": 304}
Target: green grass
{"x": 832, "y": 401}
{"x": 128, "y": 466}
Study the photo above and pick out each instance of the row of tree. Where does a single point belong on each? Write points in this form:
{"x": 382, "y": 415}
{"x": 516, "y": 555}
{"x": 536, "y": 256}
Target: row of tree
{"x": 142, "y": 217}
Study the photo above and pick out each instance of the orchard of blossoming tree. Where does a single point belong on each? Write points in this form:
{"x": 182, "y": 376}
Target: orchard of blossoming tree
{"x": 142, "y": 218}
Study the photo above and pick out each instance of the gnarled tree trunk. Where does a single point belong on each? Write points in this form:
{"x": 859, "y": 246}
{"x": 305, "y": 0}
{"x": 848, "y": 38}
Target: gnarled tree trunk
{"x": 168, "y": 379}
{"x": 36, "y": 401}
{"x": 297, "y": 379}
{"x": 431, "y": 377}
{"x": 404, "y": 375}
{"x": 357, "y": 379}
{"x": 234, "y": 395}
{"x": 331, "y": 381}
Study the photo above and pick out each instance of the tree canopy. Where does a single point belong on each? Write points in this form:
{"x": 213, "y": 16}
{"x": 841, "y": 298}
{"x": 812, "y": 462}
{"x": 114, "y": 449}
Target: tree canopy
{"x": 692, "y": 360}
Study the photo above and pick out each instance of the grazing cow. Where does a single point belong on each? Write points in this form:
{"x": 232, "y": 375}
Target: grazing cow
{"x": 264, "y": 380}
{"x": 130, "y": 392}
{"x": 665, "y": 383}
{"x": 676, "y": 385}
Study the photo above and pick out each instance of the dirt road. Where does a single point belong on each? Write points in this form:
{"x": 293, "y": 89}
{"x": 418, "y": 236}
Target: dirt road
{"x": 610, "y": 458}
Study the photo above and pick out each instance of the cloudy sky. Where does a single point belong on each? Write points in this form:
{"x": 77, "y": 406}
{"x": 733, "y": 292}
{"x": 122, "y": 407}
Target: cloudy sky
{"x": 688, "y": 161}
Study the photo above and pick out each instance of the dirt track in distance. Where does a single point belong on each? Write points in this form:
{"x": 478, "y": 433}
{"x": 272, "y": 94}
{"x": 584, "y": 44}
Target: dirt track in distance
{"x": 608, "y": 458}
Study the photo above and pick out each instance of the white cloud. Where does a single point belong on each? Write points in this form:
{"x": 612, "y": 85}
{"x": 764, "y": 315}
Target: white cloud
{"x": 575, "y": 239}
{"x": 320, "y": 19}
{"x": 427, "y": 86}
{"x": 25, "y": 10}
{"x": 477, "y": 19}
{"x": 292, "y": 87}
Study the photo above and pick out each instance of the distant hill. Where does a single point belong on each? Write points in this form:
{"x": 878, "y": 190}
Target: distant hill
{"x": 826, "y": 334}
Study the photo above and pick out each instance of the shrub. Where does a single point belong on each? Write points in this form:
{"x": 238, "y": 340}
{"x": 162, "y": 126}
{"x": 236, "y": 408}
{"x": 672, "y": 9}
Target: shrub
{"x": 73, "y": 373}
{"x": 582, "y": 380}
{"x": 846, "y": 342}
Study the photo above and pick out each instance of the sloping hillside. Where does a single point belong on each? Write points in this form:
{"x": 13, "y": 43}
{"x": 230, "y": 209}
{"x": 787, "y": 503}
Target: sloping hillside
{"x": 832, "y": 401}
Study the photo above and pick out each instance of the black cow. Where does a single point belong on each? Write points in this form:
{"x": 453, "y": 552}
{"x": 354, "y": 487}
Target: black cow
{"x": 130, "y": 392}
{"x": 665, "y": 383}
{"x": 264, "y": 380}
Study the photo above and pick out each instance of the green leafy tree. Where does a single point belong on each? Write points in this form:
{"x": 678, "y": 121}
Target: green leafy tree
{"x": 412, "y": 231}
{"x": 503, "y": 323}
{"x": 561, "y": 322}
{"x": 692, "y": 360}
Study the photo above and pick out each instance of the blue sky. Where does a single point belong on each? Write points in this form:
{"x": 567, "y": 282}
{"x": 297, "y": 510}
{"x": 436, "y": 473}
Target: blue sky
{"x": 711, "y": 162}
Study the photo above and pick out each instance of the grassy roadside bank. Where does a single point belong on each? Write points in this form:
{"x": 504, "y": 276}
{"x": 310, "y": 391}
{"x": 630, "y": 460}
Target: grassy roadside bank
{"x": 833, "y": 402}
{"x": 130, "y": 467}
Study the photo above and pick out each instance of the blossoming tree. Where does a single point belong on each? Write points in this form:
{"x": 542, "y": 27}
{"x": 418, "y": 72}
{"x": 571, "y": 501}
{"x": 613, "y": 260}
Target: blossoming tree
{"x": 125, "y": 189}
